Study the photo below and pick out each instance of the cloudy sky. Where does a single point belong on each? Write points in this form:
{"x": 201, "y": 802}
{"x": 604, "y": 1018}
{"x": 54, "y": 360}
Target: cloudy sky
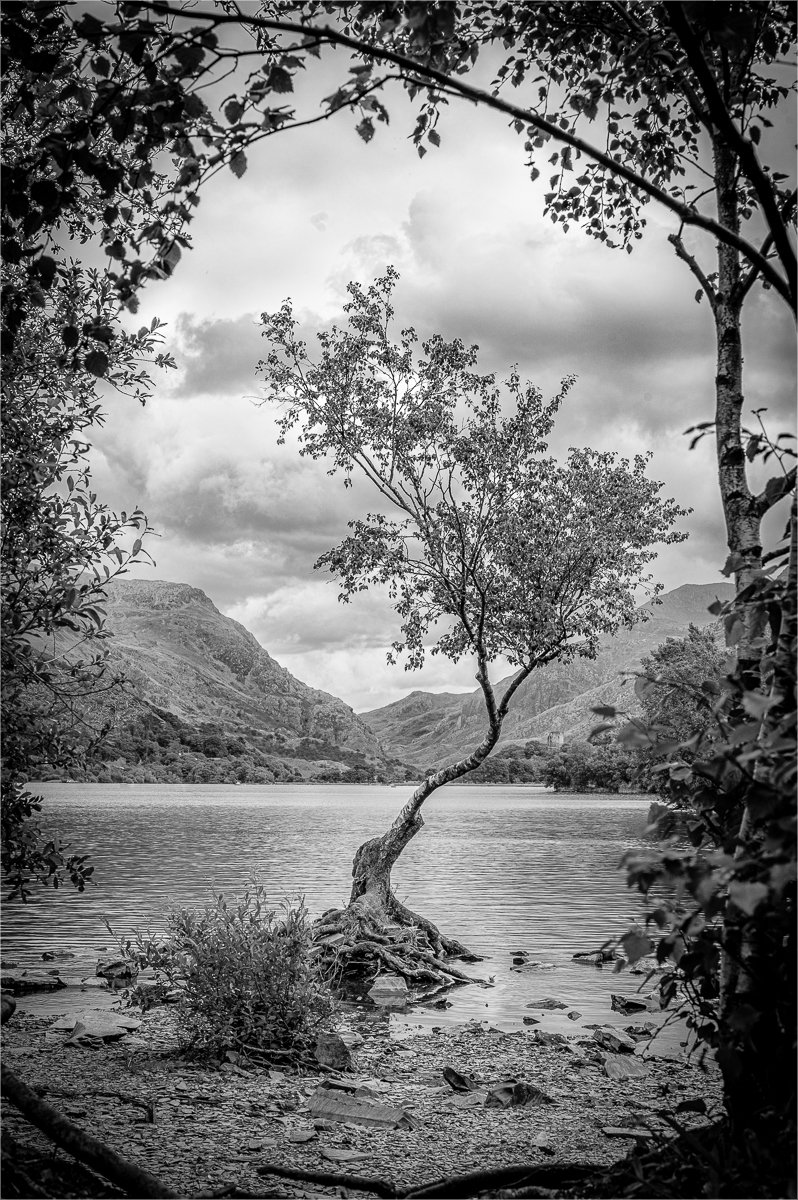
{"x": 244, "y": 519}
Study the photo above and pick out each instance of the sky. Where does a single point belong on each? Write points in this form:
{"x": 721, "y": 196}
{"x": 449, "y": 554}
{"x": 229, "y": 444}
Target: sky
{"x": 244, "y": 518}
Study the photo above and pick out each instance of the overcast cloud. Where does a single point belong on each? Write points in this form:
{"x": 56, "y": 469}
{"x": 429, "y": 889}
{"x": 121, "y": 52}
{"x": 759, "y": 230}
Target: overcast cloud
{"x": 245, "y": 519}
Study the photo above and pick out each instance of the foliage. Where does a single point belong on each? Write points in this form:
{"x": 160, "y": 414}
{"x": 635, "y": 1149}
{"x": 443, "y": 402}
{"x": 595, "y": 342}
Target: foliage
{"x": 245, "y": 975}
{"x": 524, "y": 557}
{"x": 651, "y": 79}
{"x": 60, "y": 544}
{"x": 583, "y": 767}
{"x": 677, "y": 686}
{"x": 724, "y": 908}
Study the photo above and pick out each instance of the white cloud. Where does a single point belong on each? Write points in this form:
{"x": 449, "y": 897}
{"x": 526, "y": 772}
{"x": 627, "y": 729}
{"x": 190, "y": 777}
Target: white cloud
{"x": 245, "y": 519}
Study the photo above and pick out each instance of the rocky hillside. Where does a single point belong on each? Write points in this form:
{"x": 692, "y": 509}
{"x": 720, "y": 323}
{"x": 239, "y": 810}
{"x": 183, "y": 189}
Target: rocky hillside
{"x": 428, "y": 729}
{"x": 204, "y": 701}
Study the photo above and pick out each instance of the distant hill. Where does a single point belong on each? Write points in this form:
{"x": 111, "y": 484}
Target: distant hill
{"x": 427, "y": 729}
{"x": 203, "y": 701}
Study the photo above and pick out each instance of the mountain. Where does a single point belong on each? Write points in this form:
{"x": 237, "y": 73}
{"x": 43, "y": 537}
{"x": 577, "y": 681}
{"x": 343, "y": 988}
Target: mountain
{"x": 427, "y": 729}
{"x": 204, "y": 701}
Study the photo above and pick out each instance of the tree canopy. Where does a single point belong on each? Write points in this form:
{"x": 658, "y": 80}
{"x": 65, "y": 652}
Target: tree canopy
{"x": 495, "y": 548}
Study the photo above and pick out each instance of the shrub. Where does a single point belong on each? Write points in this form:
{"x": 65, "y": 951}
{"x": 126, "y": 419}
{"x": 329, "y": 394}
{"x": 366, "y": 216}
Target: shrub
{"x": 245, "y": 975}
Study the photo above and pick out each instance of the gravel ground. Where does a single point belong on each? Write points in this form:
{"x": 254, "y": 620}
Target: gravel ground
{"x": 214, "y": 1127}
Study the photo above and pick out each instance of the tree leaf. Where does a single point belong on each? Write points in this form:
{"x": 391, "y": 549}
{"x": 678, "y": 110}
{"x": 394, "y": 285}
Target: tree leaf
{"x": 96, "y": 362}
{"x": 747, "y": 896}
{"x": 238, "y": 163}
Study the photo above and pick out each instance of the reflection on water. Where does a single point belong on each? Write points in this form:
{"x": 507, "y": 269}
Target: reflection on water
{"x": 502, "y": 869}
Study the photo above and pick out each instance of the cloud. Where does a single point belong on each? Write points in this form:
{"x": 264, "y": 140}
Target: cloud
{"x": 217, "y": 357}
{"x": 245, "y": 519}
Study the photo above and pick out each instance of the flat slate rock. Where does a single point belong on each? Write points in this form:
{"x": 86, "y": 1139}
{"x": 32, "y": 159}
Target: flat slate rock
{"x": 614, "y": 1039}
{"x": 30, "y": 981}
{"x": 546, "y": 1002}
{"x": 95, "y": 1023}
{"x": 336, "y": 1107}
{"x": 625, "y": 1066}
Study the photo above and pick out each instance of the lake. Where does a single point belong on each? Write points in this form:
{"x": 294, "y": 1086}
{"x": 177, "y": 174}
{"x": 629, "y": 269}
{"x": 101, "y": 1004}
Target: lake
{"x": 500, "y": 868}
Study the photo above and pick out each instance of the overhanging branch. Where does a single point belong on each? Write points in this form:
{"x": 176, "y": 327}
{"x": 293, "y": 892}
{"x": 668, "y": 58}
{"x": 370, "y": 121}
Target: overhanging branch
{"x": 329, "y": 36}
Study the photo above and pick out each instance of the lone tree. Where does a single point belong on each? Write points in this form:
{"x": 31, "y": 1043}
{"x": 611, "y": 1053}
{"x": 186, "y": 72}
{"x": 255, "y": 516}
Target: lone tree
{"x": 487, "y": 546}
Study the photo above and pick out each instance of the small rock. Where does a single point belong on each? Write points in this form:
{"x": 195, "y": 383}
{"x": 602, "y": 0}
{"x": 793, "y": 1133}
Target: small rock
{"x": 627, "y": 1004}
{"x": 654, "y": 1002}
{"x": 57, "y": 955}
{"x": 510, "y": 1095}
{"x": 8, "y": 1006}
{"x": 116, "y": 970}
{"x": 7, "y": 964}
{"x": 625, "y": 1066}
{"x": 593, "y": 958}
{"x": 389, "y": 990}
{"x": 614, "y": 1039}
{"x": 351, "y": 1039}
{"x": 547, "y": 1003}
{"x": 647, "y": 966}
{"x": 302, "y": 1135}
{"x": 332, "y": 1051}
{"x": 544, "y": 1038}
{"x": 531, "y": 1021}
{"x": 574, "y": 1015}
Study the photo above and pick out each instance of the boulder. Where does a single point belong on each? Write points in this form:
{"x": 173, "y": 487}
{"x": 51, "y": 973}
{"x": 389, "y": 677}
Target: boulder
{"x": 389, "y": 991}
{"x": 332, "y": 1051}
{"x": 57, "y": 955}
{"x": 19, "y": 983}
{"x": 8, "y": 1006}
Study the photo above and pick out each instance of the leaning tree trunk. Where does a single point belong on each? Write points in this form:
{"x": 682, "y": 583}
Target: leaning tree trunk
{"x": 376, "y": 931}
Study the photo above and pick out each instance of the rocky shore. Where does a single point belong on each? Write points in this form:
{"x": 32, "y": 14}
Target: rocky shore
{"x": 409, "y": 1107}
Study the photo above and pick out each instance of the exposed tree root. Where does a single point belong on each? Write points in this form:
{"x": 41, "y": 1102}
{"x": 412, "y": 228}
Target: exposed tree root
{"x": 365, "y": 939}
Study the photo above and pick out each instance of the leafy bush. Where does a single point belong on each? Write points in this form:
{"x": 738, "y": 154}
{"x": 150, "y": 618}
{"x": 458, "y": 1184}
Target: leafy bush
{"x": 245, "y": 975}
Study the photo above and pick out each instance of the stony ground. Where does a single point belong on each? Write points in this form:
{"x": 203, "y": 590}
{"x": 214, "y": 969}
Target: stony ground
{"x": 214, "y": 1127}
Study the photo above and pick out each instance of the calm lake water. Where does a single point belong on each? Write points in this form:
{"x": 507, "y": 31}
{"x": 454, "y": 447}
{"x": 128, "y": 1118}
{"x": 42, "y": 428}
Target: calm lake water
{"x": 502, "y": 869}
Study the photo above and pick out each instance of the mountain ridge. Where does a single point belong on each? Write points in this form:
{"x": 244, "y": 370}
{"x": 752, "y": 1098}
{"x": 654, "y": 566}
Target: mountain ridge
{"x": 199, "y": 687}
{"x": 427, "y": 729}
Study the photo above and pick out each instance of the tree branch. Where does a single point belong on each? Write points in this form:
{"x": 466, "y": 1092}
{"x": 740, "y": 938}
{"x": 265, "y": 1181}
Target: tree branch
{"x": 686, "y": 213}
{"x": 132, "y": 1178}
{"x": 743, "y": 145}
{"x": 745, "y": 284}
{"x": 678, "y": 245}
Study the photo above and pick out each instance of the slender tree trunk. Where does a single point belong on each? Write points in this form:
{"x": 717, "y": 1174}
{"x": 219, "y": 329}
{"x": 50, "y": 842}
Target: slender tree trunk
{"x": 755, "y": 1056}
{"x": 375, "y": 923}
